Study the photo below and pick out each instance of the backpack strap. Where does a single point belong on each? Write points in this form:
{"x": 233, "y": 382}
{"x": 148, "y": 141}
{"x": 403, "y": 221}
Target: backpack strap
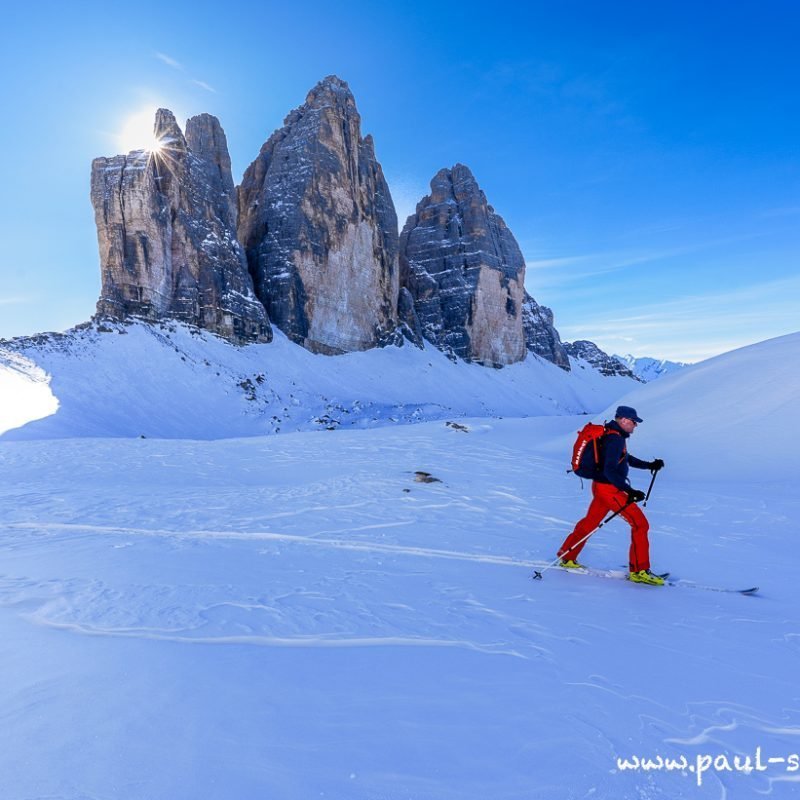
{"x": 597, "y": 442}
{"x": 608, "y": 432}
{"x": 624, "y": 445}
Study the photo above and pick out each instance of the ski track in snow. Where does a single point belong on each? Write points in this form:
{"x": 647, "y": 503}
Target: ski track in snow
{"x": 255, "y": 536}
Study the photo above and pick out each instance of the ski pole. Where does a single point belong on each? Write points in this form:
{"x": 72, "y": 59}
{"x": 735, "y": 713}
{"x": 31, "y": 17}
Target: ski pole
{"x": 650, "y": 488}
{"x": 537, "y": 576}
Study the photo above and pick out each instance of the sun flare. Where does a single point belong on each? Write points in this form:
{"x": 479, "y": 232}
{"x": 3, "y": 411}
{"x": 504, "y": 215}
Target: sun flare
{"x": 137, "y": 132}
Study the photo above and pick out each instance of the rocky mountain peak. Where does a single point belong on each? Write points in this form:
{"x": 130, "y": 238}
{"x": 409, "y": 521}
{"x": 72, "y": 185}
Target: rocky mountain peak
{"x": 650, "y": 369}
{"x": 166, "y": 230}
{"x": 309, "y": 241}
{"x": 167, "y": 131}
{"x": 331, "y": 91}
{"x": 464, "y": 271}
{"x": 207, "y": 141}
{"x": 319, "y": 227}
{"x": 455, "y": 182}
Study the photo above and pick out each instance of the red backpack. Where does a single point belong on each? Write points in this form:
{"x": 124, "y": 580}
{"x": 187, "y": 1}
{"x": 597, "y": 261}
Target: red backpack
{"x": 587, "y": 452}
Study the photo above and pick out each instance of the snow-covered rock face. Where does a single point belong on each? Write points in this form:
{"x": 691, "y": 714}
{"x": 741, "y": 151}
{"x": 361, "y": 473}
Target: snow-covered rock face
{"x": 319, "y": 227}
{"x": 166, "y": 229}
{"x": 601, "y": 361}
{"x": 465, "y": 271}
{"x": 541, "y": 337}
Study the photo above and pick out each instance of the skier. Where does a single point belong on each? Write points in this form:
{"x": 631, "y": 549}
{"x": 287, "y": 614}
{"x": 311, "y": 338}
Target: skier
{"x": 611, "y": 491}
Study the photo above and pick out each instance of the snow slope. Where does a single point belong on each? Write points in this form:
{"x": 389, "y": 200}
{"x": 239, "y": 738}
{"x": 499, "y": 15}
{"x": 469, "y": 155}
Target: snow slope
{"x": 297, "y": 617}
{"x": 729, "y": 418}
{"x": 178, "y": 382}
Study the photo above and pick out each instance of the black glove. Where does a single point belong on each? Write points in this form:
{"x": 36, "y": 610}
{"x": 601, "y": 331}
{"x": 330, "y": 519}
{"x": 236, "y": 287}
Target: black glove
{"x": 634, "y": 495}
{"x": 656, "y": 465}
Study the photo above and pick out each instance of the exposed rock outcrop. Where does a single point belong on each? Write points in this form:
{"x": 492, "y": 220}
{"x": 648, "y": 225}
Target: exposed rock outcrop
{"x": 166, "y": 229}
{"x": 601, "y": 361}
{"x": 407, "y": 317}
{"x": 309, "y": 241}
{"x": 465, "y": 272}
{"x": 541, "y": 337}
{"x": 319, "y": 228}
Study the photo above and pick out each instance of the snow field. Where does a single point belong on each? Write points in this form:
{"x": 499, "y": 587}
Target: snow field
{"x": 175, "y": 382}
{"x": 279, "y": 617}
{"x": 192, "y": 615}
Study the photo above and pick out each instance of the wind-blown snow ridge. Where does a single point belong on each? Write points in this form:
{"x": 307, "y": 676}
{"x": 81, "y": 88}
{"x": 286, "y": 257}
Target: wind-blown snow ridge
{"x": 25, "y": 391}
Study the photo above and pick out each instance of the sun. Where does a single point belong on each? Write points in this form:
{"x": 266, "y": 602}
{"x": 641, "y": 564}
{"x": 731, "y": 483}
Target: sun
{"x": 137, "y": 132}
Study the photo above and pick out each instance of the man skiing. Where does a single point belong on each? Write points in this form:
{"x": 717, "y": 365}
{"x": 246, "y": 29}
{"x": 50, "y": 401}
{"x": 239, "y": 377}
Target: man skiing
{"x": 611, "y": 491}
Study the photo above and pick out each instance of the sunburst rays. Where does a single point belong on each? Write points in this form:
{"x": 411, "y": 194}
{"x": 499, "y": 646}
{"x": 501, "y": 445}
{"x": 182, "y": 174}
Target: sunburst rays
{"x": 162, "y": 154}
{"x": 137, "y": 132}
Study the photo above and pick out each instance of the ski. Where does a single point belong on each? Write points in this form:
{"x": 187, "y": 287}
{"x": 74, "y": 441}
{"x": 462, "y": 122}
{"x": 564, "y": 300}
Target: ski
{"x": 618, "y": 574}
{"x": 691, "y": 585}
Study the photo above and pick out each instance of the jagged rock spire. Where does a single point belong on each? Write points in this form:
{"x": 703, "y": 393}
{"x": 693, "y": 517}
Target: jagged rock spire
{"x": 319, "y": 227}
{"x": 465, "y": 271}
{"x": 166, "y": 229}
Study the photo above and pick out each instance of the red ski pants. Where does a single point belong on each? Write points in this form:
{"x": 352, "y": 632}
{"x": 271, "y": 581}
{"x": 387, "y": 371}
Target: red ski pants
{"x": 606, "y": 498}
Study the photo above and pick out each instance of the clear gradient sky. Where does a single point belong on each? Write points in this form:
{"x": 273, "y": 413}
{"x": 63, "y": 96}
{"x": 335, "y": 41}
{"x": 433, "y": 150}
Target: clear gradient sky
{"x": 645, "y": 155}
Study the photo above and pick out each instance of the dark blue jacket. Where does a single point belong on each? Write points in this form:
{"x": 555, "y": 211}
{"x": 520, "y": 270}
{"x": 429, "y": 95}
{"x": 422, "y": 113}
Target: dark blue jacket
{"x": 616, "y": 458}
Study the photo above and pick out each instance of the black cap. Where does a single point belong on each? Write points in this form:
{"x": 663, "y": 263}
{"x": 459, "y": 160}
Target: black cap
{"x": 628, "y": 413}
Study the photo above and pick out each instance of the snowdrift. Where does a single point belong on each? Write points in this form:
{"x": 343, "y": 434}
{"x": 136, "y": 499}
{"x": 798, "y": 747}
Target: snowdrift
{"x": 25, "y": 393}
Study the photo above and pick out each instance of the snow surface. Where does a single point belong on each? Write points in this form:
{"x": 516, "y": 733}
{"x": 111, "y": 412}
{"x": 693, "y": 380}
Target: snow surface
{"x": 297, "y": 617}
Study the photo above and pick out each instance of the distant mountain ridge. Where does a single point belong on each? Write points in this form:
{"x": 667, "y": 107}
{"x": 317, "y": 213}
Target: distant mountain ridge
{"x": 650, "y": 369}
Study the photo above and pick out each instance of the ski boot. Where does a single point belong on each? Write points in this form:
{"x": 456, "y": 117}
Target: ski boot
{"x": 645, "y": 576}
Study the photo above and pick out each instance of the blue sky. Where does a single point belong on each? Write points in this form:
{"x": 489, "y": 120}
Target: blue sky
{"x": 645, "y": 155}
